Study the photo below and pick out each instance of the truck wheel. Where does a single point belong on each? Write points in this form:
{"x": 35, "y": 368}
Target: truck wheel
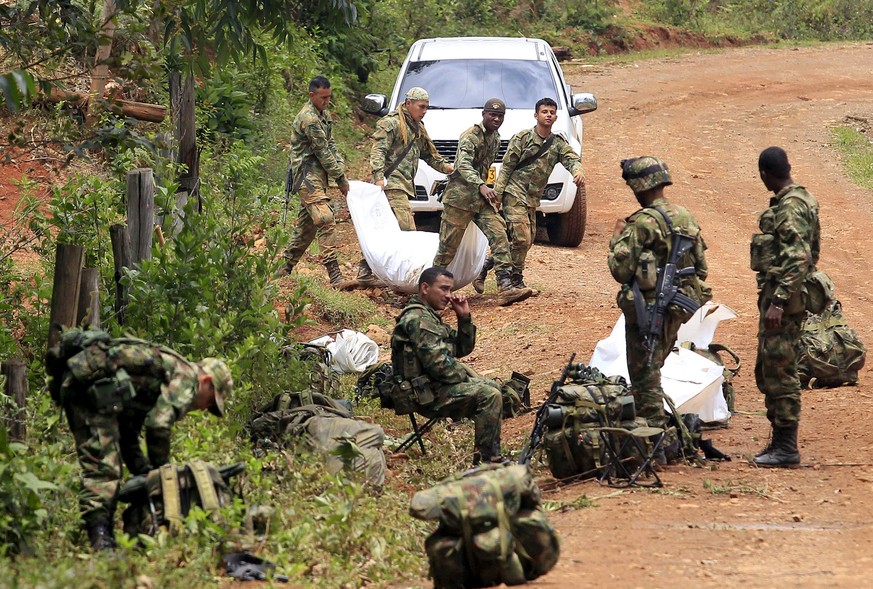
{"x": 568, "y": 229}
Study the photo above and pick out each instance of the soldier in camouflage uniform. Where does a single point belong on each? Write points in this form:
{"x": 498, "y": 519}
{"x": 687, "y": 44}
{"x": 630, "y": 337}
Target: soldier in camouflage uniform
{"x": 425, "y": 352}
{"x": 110, "y": 391}
{"x": 521, "y": 187}
{"x": 468, "y": 197}
{"x": 783, "y": 255}
{"x": 395, "y": 132}
{"x": 645, "y": 238}
{"x": 315, "y": 159}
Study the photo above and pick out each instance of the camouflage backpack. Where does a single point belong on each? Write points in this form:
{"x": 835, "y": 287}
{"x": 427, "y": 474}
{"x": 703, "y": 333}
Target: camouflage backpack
{"x": 164, "y": 496}
{"x": 572, "y": 440}
{"x": 71, "y": 342}
{"x": 324, "y": 425}
{"x": 830, "y": 351}
{"x": 491, "y": 528}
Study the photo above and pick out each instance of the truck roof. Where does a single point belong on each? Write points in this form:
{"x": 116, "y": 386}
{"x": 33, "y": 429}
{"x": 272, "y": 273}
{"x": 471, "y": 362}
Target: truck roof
{"x": 479, "y": 47}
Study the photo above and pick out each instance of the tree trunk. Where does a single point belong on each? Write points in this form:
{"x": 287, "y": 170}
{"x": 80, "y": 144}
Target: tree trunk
{"x": 65, "y": 292}
{"x": 15, "y": 371}
{"x": 182, "y": 103}
{"x": 100, "y": 73}
{"x": 88, "y": 313}
{"x": 140, "y": 212}
{"x": 121, "y": 254}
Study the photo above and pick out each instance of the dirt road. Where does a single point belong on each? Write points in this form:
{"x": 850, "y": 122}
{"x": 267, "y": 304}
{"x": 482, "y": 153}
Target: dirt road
{"x": 709, "y": 116}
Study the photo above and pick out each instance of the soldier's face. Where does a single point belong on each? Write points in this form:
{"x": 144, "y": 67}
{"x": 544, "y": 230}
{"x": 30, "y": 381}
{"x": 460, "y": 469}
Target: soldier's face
{"x": 321, "y": 98}
{"x": 438, "y": 294}
{"x": 546, "y": 115}
{"x": 492, "y": 120}
{"x": 417, "y": 109}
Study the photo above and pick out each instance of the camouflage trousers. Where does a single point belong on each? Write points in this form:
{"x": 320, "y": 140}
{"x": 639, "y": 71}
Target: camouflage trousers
{"x": 453, "y": 225}
{"x": 521, "y": 226}
{"x": 399, "y": 202}
{"x": 315, "y": 219}
{"x": 776, "y": 367}
{"x": 478, "y": 399}
{"x": 98, "y": 449}
{"x": 645, "y": 376}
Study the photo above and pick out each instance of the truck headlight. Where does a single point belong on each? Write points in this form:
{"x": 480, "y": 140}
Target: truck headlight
{"x": 552, "y": 191}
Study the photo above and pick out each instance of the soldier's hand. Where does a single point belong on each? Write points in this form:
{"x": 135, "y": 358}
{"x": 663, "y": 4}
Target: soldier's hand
{"x": 344, "y": 189}
{"x": 460, "y": 305}
{"x": 579, "y": 179}
{"x": 773, "y": 316}
{"x": 620, "y": 224}
{"x": 380, "y": 183}
{"x": 449, "y": 169}
{"x": 488, "y": 192}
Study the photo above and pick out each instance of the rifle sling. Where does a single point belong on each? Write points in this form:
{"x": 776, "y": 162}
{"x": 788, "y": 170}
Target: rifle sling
{"x": 532, "y": 158}
{"x": 390, "y": 169}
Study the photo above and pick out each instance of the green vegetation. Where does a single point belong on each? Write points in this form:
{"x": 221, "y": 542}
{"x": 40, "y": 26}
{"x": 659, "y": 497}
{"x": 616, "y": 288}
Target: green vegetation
{"x": 856, "y": 146}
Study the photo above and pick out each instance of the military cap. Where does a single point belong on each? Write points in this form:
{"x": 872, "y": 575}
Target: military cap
{"x": 222, "y": 381}
{"x": 644, "y": 173}
{"x": 417, "y": 93}
{"x": 494, "y": 105}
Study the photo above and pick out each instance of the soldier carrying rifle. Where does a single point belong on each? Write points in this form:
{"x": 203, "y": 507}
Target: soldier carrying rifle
{"x": 657, "y": 255}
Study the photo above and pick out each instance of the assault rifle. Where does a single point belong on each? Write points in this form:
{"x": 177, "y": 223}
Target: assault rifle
{"x": 289, "y": 183}
{"x": 536, "y": 435}
{"x": 650, "y": 316}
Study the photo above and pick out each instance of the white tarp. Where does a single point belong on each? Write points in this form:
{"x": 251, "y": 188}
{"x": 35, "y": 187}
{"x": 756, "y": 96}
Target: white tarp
{"x": 692, "y": 381}
{"x": 351, "y": 352}
{"x": 399, "y": 257}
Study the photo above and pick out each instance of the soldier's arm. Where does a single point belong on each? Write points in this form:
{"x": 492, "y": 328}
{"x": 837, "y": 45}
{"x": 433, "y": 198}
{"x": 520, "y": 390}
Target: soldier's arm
{"x": 510, "y": 160}
{"x": 465, "y": 337}
{"x": 325, "y": 151}
{"x": 435, "y": 354}
{"x": 570, "y": 159}
{"x": 625, "y": 249}
{"x": 383, "y": 137}
{"x": 131, "y": 451}
{"x": 700, "y": 265}
{"x": 467, "y": 147}
{"x": 794, "y": 230}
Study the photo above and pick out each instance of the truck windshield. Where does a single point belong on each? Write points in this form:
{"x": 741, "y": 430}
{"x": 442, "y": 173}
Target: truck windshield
{"x": 468, "y": 83}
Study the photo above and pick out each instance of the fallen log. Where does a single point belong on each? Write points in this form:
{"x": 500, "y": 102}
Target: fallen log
{"x": 142, "y": 111}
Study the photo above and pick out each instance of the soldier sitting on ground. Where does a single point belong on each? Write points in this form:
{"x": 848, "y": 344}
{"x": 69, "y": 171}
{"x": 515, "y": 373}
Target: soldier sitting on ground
{"x": 425, "y": 352}
{"x": 110, "y": 391}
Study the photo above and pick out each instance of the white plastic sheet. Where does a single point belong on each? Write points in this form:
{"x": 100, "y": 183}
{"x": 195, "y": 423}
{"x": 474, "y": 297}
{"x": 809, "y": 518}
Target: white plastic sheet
{"x": 691, "y": 381}
{"x": 399, "y": 257}
{"x": 351, "y": 351}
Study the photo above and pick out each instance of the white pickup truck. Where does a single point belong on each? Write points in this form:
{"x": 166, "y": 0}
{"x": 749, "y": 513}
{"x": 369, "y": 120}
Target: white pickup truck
{"x": 460, "y": 74}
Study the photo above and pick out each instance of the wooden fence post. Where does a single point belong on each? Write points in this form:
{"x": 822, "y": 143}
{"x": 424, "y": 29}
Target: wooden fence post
{"x": 15, "y": 371}
{"x": 65, "y": 291}
{"x": 88, "y": 310}
{"x": 121, "y": 255}
{"x": 140, "y": 212}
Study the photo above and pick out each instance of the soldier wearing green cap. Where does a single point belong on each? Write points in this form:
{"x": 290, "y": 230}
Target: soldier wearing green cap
{"x": 468, "y": 197}
{"x": 640, "y": 246}
{"x": 111, "y": 391}
{"x": 399, "y": 141}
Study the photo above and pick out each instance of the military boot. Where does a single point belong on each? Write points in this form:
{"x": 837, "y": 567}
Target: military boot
{"x": 365, "y": 277}
{"x": 783, "y": 449}
{"x": 336, "y": 276}
{"x": 518, "y": 282}
{"x": 285, "y": 270}
{"x": 479, "y": 281}
{"x": 101, "y": 536}
{"x": 507, "y": 293}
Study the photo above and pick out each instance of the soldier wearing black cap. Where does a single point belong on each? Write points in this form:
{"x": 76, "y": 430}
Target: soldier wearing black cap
{"x": 470, "y": 196}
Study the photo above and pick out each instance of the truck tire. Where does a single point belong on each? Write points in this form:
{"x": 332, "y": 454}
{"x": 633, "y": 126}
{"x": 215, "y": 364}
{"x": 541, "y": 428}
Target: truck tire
{"x": 568, "y": 229}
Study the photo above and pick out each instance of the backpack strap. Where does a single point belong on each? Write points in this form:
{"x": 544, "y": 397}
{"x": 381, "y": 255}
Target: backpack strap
{"x": 532, "y": 158}
{"x": 205, "y": 487}
{"x": 170, "y": 496}
{"x": 716, "y": 348}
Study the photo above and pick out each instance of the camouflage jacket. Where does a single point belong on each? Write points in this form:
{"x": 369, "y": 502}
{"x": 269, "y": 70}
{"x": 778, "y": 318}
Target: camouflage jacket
{"x": 477, "y": 150}
{"x": 436, "y": 346}
{"x": 792, "y": 221}
{"x": 388, "y": 144}
{"x": 647, "y": 231}
{"x": 528, "y": 183}
{"x": 313, "y": 150}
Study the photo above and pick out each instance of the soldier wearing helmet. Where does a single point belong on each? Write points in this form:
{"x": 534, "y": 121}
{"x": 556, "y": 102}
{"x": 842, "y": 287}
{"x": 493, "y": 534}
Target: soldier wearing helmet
{"x": 640, "y": 246}
{"x": 113, "y": 389}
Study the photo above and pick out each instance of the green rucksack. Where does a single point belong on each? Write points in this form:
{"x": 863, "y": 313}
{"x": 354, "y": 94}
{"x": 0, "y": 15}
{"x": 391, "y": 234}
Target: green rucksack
{"x": 491, "y": 528}
{"x": 326, "y": 426}
{"x": 164, "y": 496}
{"x": 572, "y": 440}
{"x": 71, "y": 342}
{"x": 831, "y": 353}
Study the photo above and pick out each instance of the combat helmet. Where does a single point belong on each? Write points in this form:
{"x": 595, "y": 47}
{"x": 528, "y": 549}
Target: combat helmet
{"x": 644, "y": 173}
{"x": 222, "y": 381}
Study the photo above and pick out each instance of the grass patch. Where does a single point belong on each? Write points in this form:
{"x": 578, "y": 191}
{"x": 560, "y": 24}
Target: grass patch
{"x": 856, "y": 146}
{"x": 348, "y": 309}
{"x": 734, "y": 488}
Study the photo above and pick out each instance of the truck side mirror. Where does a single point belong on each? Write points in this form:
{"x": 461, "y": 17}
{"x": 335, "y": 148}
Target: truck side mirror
{"x": 583, "y": 103}
{"x": 375, "y": 104}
